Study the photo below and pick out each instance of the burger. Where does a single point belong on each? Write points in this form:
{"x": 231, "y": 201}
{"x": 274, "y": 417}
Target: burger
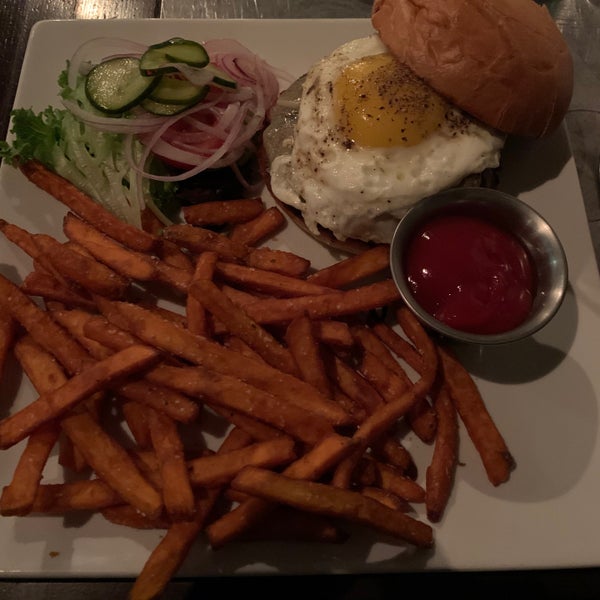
{"x": 424, "y": 103}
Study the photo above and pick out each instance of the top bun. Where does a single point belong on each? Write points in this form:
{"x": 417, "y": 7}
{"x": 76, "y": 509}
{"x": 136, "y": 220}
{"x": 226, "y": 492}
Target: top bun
{"x": 504, "y": 62}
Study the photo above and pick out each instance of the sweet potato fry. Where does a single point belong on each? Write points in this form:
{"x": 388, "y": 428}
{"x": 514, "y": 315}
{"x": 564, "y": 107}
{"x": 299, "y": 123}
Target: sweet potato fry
{"x": 21, "y": 238}
{"x": 39, "y": 365}
{"x": 42, "y": 328}
{"x": 56, "y": 403}
{"x": 63, "y": 498}
{"x": 68, "y": 456}
{"x": 99, "y": 328}
{"x": 351, "y": 382}
{"x": 18, "y": 497}
{"x": 387, "y": 382}
{"x": 278, "y": 261}
{"x": 391, "y": 383}
{"x": 198, "y": 239}
{"x": 197, "y": 322}
{"x": 223, "y": 212}
{"x": 235, "y": 343}
{"x": 88, "y": 209}
{"x": 87, "y": 272}
{"x": 389, "y": 450}
{"x": 240, "y": 297}
{"x": 420, "y": 341}
{"x": 177, "y": 492}
{"x": 495, "y": 455}
{"x": 76, "y": 247}
{"x": 175, "y": 277}
{"x": 150, "y": 222}
{"x": 439, "y": 476}
{"x": 398, "y": 345}
{"x": 233, "y": 393}
{"x": 219, "y": 469}
{"x": 43, "y": 284}
{"x": 320, "y": 459}
{"x": 171, "y": 315}
{"x": 421, "y": 416}
{"x": 304, "y": 347}
{"x": 311, "y": 466}
{"x": 26, "y": 241}
{"x": 136, "y": 419}
{"x": 46, "y": 375}
{"x": 331, "y": 501}
{"x": 159, "y": 332}
{"x": 147, "y": 463}
{"x": 333, "y": 333}
{"x": 170, "y": 553}
{"x": 42, "y": 368}
{"x": 74, "y": 321}
{"x": 269, "y": 222}
{"x": 112, "y": 463}
{"x": 129, "y": 263}
{"x": 266, "y": 282}
{"x": 322, "y": 306}
{"x": 379, "y": 422}
{"x": 256, "y": 429}
{"x": 370, "y": 343}
{"x": 237, "y": 322}
{"x": 128, "y": 516}
{"x": 371, "y": 472}
{"x": 163, "y": 399}
{"x": 168, "y": 556}
{"x": 176, "y": 406}
{"x": 351, "y": 405}
{"x": 354, "y": 268}
{"x": 428, "y": 369}
{"x": 235, "y": 439}
{"x": 386, "y": 498}
{"x": 174, "y": 256}
{"x": 8, "y": 333}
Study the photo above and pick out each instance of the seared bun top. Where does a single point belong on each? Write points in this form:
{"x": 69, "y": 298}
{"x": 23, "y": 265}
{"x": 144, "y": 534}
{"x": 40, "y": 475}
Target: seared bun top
{"x": 503, "y": 61}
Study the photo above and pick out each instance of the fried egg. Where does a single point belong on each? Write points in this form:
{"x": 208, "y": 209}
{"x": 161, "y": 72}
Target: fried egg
{"x": 371, "y": 140}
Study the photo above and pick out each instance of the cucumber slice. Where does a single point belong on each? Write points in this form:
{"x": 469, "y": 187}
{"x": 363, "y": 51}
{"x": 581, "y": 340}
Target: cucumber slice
{"x": 173, "y": 90}
{"x": 221, "y": 78}
{"x": 116, "y": 85}
{"x": 175, "y": 50}
{"x": 164, "y": 109}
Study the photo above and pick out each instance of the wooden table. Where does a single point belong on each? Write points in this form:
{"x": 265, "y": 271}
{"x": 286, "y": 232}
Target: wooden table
{"x": 580, "y": 22}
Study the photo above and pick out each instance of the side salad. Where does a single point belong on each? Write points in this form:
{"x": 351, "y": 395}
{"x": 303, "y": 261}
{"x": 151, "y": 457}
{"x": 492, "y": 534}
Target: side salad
{"x": 152, "y": 127}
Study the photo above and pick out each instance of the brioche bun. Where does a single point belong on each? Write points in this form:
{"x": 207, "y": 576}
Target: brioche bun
{"x": 504, "y": 62}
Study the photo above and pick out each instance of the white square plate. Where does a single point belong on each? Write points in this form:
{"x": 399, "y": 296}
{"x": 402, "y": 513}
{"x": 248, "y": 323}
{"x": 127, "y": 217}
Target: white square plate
{"x": 542, "y": 392}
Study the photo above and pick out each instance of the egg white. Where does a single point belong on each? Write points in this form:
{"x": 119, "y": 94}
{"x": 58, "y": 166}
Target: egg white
{"x": 362, "y": 192}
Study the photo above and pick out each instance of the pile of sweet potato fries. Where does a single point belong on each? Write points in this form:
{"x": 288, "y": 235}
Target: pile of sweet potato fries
{"x": 316, "y": 374}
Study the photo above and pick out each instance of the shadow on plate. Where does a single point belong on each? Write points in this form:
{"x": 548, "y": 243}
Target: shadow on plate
{"x": 527, "y": 164}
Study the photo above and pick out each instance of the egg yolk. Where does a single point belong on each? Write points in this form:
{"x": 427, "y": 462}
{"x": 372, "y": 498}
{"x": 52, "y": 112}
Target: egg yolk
{"x": 380, "y": 102}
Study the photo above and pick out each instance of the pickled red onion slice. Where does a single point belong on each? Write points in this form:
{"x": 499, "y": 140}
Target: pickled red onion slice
{"x": 214, "y": 133}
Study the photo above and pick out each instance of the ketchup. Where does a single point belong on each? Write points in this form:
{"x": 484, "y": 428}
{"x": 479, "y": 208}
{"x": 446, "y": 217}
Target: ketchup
{"x": 470, "y": 274}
